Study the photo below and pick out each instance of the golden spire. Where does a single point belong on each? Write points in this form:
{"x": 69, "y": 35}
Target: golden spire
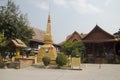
{"x": 48, "y": 37}
{"x": 48, "y": 30}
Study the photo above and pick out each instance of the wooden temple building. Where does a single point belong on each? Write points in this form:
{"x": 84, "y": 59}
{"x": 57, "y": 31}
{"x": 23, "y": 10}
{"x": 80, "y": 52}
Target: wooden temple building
{"x": 99, "y": 44}
{"x": 37, "y": 39}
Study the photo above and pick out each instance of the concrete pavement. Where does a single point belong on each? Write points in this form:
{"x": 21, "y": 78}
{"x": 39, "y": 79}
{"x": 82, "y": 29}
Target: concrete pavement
{"x": 88, "y": 72}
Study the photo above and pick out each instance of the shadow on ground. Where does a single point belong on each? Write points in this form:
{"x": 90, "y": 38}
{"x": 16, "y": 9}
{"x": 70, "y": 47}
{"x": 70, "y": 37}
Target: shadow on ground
{"x": 53, "y": 67}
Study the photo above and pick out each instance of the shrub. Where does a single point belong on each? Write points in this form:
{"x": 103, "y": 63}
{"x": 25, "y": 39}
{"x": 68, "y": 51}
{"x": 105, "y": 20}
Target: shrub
{"x": 61, "y": 60}
{"x": 75, "y": 53}
{"x": 1, "y": 64}
{"x": 117, "y": 59}
{"x": 46, "y": 60}
{"x": 32, "y": 53}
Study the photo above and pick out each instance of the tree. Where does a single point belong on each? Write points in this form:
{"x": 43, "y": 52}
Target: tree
{"x": 73, "y": 47}
{"x": 117, "y": 34}
{"x": 79, "y": 45}
{"x": 14, "y": 23}
{"x": 67, "y": 47}
{"x": 75, "y": 53}
{"x": 1, "y": 37}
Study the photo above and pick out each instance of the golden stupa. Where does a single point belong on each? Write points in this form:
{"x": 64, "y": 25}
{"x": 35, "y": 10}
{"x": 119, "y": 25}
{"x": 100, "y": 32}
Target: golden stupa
{"x": 47, "y": 49}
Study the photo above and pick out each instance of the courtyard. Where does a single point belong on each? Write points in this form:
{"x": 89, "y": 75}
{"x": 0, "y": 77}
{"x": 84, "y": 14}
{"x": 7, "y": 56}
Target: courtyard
{"x": 88, "y": 72}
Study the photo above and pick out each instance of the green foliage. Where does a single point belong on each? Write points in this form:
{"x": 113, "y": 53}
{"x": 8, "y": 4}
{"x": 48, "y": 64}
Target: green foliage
{"x": 75, "y": 53}
{"x": 79, "y": 45}
{"x": 1, "y": 37}
{"x": 117, "y": 59}
{"x": 32, "y": 53}
{"x": 61, "y": 60}
{"x": 14, "y": 23}
{"x": 1, "y": 64}
{"x": 117, "y": 33}
{"x": 67, "y": 47}
{"x": 73, "y": 48}
{"x": 46, "y": 60}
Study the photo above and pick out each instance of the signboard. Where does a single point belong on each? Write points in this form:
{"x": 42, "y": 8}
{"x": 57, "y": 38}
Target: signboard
{"x": 75, "y": 63}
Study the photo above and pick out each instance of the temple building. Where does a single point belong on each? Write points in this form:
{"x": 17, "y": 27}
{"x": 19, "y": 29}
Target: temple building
{"x": 99, "y": 44}
{"x": 47, "y": 49}
{"x": 37, "y": 40}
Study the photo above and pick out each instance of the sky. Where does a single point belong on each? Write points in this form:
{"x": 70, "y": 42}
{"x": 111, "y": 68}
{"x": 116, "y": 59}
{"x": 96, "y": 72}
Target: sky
{"x": 68, "y": 16}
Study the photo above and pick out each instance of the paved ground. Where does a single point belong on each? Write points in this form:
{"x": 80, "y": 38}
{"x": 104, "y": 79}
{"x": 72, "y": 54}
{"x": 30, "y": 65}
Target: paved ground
{"x": 88, "y": 72}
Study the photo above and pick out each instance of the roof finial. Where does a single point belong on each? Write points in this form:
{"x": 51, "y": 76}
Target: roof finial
{"x": 49, "y": 7}
{"x": 49, "y": 11}
{"x": 48, "y": 35}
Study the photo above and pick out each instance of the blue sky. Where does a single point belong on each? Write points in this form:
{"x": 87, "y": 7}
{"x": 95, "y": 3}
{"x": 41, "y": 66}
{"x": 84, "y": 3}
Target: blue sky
{"x": 71, "y": 15}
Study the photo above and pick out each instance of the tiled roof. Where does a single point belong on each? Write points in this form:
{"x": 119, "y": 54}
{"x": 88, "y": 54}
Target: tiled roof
{"x": 38, "y": 35}
{"x": 72, "y": 35}
{"x": 98, "y": 33}
{"x": 61, "y": 43}
{"x": 81, "y": 35}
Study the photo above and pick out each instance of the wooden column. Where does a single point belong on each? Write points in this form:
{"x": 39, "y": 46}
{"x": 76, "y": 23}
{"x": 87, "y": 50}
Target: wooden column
{"x": 93, "y": 49}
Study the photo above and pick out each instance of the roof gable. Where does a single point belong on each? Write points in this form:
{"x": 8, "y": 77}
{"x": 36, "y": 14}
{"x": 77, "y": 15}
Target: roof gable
{"x": 74, "y": 37}
{"x": 98, "y": 34}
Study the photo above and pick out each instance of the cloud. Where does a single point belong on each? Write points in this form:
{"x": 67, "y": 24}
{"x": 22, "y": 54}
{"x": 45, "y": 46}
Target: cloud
{"x": 83, "y": 7}
{"x": 108, "y": 2}
{"x": 61, "y": 3}
{"x": 40, "y": 4}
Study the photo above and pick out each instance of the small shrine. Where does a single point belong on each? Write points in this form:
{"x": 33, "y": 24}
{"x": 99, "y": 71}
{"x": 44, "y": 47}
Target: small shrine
{"x": 17, "y": 44}
{"x": 47, "y": 49}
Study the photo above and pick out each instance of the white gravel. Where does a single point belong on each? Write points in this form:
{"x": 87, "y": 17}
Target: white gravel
{"x": 88, "y": 72}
